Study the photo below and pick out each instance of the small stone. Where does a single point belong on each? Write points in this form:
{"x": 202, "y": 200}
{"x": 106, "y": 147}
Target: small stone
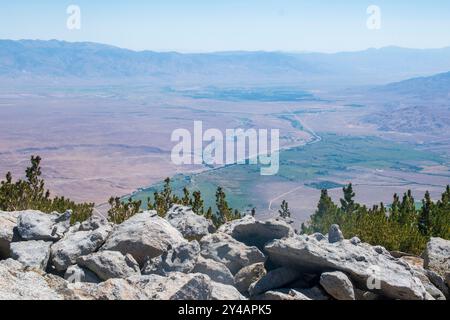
{"x": 335, "y": 234}
{"x": 76, "y": 274}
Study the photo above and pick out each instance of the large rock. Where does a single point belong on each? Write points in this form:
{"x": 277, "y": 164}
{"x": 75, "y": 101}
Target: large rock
{"x": 8, "y": 223}
{"x": 182, "y": 258}
{"x": 176, "y": 286}
{"x": 437, "y": 256}
{"x": 32, "y": 254}
{"x": 20, "y": 284}
{"x": 76, "y": 274}
{"x": 192, "y": 226}
{"x": 36, "y": 225}
{"x": 232, "y": 253}
{"x": 366, "y": 265}
{"x": 217, "y": 271}
{"x": 274, "y": 279}
{"x": 338, "y": 285}
{"x": 144, "y": 236}
{"x": 248, "y": 275}
{"x": 222, "y": 291}
{"x": 228, "y": 227}
{"x": 110, "y": 264}
{"x": 257, "y": 233}
{"x": 65, "y": 252}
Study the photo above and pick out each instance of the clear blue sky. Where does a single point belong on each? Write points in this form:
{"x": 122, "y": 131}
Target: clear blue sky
{"x": 218, "y": 25}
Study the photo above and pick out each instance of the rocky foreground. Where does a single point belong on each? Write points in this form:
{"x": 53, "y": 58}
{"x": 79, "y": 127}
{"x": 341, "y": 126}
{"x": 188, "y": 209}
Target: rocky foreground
{"x": 182, "y": 257}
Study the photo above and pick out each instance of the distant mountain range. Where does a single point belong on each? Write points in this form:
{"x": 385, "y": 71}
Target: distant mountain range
{"x": 436, "y": 86}
{"x": 35, "y": 59}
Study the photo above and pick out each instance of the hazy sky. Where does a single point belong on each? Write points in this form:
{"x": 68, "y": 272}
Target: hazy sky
{"x": 218, "y": 25}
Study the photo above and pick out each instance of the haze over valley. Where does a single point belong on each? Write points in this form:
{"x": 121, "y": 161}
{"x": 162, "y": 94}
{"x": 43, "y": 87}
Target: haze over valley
{"x": 101, "y": 118}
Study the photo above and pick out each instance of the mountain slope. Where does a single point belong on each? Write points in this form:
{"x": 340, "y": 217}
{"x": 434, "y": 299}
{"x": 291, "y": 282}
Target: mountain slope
{"x": 434, "y": 87}
{"x": 30, "y": 59}
{"x": 418, "y": 105}
{"x": 63, "y": 59}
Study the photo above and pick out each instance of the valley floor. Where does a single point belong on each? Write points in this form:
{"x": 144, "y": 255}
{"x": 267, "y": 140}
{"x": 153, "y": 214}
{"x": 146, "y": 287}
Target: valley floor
{"x": 95, "y": 145}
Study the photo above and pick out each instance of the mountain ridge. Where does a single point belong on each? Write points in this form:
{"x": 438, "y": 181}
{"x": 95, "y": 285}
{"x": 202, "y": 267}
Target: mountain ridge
{"x": 36, "y": 59}
{"x": 438, "y": 84}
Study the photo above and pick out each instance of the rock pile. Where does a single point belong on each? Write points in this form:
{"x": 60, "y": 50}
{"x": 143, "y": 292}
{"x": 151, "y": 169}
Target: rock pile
{"x": 183, "y": 257}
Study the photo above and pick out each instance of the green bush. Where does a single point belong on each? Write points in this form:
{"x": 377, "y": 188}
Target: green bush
{"x": 165, "y": 199}
{"x": 31, "y": 194}
{"x": 402, "y": 227}
{"x": 284, "y": 211}
{"x": 121, "y": 211}
{"x": 224, "y": 213}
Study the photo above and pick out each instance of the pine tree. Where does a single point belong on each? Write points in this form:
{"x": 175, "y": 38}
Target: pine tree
{"x": 440, "y": 217}
{"x": 164, "y": 200}
{"x": 8, "y": 192}
{"x": 284, "y": 212}
{"x": 158, "y": 204}
{"x": 35, "y": 183}
{"x": 394, "y": 212}
{"x": 150, "y": 205}
{"x": 121, "y": 211}
{"x": 348, "y": 205}
{"x": 407, "y": 212}
{"x": 327, "y": 213}
{"x": 197, "y": 204}
{"x": 167, "y": 195}
{"x": 186, "y": 200}
{"x": 224, "y": 212}
{"x": 425, "y": 215}
{"x": 209, "y": 214}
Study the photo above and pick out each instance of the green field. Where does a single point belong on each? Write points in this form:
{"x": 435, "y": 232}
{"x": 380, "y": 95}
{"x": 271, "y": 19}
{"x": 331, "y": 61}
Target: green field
{"x": 249, "y": 94}
{"x": 310, "y": 164}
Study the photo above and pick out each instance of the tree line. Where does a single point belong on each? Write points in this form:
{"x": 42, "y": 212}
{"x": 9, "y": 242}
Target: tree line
{"x": 165, "y": 199}
{"x": 30, "y": 193}
{"x": 402, "y": 226}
